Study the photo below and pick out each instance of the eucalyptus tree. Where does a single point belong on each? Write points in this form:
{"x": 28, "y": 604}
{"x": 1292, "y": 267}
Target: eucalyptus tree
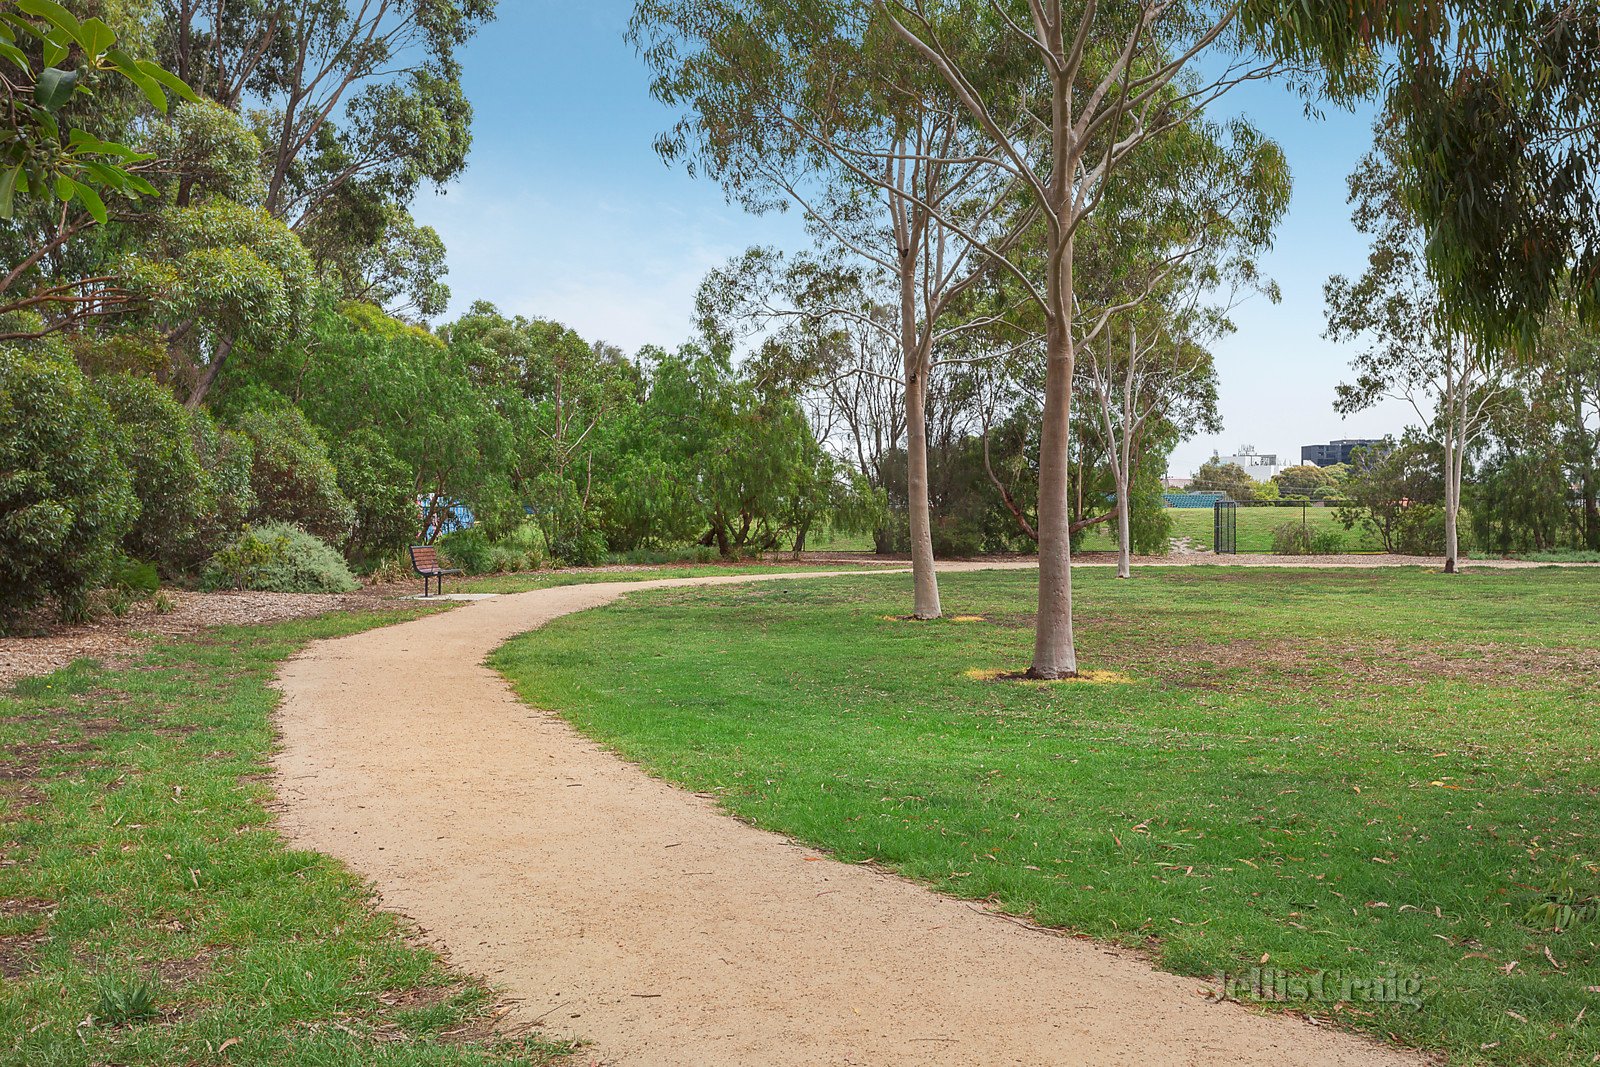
{"x": 1183, "y": 226}
{"x": 567, "y": 388}
{"x": 1450, "y": 378}
{"x": 1497, "y": 108}
{"x": 346, "y": 93}
{"x": 356, "y": 105}
{"x": 846, "y": 369}
{"x": 814, "y": 105}
{"x": 1564, "y": 383}
{"x": 208, "y": 267}
{"x": 1066, "y": 92}
{"x": 1163, "y": 383}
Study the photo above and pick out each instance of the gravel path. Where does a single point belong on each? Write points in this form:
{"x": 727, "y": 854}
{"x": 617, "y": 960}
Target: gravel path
{"x": 616, "y": 908}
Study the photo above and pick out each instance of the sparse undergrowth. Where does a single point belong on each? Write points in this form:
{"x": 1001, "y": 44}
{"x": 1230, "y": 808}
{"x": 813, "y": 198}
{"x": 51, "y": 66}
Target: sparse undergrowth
{"x": 1363, "y": 773}
{"x": 149, "y": 914}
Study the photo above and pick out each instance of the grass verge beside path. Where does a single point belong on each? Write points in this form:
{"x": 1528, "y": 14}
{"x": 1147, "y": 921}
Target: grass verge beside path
{"x": 526, "y": 582}
{"x": 149, "y": 914}
{"x": 1360, "y": 774}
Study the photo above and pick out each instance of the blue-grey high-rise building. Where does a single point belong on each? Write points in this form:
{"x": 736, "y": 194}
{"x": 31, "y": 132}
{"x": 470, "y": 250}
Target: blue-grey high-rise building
{"x": 1334, "y": 451}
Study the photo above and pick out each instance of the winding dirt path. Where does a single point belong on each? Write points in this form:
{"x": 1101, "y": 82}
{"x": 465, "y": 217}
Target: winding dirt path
{"x": 616, "y": 908}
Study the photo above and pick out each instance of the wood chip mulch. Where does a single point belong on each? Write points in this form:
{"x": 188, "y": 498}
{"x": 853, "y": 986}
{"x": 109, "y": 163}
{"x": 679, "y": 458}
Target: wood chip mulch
{"x": 115, "y": 641}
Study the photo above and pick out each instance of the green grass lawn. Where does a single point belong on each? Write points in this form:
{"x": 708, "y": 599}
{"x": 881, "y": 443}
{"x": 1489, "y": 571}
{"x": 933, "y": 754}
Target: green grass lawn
{"x": 1255, "y": 526}
{"x": 149, "y": 914}
{"x": 525, "y": 582}
{"x": 1360, "y": 772}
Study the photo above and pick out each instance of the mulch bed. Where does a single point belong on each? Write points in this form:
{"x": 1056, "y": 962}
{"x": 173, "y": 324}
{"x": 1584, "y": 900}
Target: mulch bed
{"x": 114, "y": 641}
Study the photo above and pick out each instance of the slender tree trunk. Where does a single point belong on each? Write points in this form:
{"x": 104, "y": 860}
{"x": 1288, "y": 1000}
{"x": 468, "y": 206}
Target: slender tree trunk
{"x": 923, "y": 577}
{"x": 1054, "y": 653}
{"x": 1452, "y": 495}
{"x": 1590, "y": 526}
{"x": 924, "y": 581}
{"x": 208, "y": 377}
{"x": 1124, "y": 534}
{"x": 1124, "y": 462}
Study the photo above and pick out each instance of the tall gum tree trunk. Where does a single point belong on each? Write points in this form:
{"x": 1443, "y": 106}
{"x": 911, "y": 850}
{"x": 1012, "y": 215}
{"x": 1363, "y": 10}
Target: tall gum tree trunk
{"x": 1054, "y": 654}
{"x": 1124, "y": 535}
{"x": 923, "y": 577}
{"x": 1452, "y": 501}
{"x": 924, "y": 580}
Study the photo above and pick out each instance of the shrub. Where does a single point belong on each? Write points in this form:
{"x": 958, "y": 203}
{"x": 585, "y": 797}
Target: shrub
{"x": 227, "y": 457}
{"x": 291, "y": 475}
{"x": 1327, "y": 543}
{"x": 580, "y": 548}
{"x": 475, "y": 553}
{"x": 1419, "y": 530}
{"x": 159, "y": 450}
{"x": 279, "y": 558}
{"x": 65, "y": 497}
{"x": 1292, "y": 539}
{"x": 131, "y": 576}
{"x": 956, "y": 536}
{"x": 192, "y": 479}
{"x": 468, "y": 549}
{"x": 380, "y": 488}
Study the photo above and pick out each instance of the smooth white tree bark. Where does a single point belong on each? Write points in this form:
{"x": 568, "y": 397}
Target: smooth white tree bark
{"x": 1107, "y": 74}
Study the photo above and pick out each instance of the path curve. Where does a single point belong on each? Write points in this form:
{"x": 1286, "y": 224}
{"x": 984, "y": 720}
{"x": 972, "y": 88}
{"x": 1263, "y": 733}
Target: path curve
{"x": 616, "y": 908}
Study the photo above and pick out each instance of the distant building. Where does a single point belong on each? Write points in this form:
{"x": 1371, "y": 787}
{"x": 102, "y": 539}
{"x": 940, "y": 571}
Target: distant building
{"x": 1259, "y": 465}
{"x": 1334, "y": 452}
{"x": 1192, "y": 500}
{"x": 1173, "y": 481}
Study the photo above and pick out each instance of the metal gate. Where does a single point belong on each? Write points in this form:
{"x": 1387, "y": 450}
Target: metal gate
{"x": 1225, "y": 528}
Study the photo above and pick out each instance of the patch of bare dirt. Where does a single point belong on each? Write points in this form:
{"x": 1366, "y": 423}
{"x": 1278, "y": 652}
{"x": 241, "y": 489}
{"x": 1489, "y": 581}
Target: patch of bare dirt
{"x": 174, "y": 974}
{"x": 1204, "y": 664}
{"x": 114, "y": 640}
{"x": 19, "y": 952}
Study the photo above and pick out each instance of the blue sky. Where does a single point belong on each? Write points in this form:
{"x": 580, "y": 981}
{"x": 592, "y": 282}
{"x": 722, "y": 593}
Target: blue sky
{"x": 566, "y": 212}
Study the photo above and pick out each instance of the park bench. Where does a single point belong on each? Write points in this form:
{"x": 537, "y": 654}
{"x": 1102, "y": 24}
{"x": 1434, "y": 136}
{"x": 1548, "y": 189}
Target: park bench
{"x": 425, "y": 561}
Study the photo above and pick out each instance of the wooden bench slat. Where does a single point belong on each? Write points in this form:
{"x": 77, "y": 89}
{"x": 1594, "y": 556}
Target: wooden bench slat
{"x": 425, "y": 561}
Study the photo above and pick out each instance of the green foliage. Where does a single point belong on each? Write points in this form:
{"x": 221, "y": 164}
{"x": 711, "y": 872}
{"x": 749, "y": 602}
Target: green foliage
{"x": 475, "y": 553}
{"x": 227, "y": 459}
{"x": 1298, "y": 538}
{"x": 1304, "y": 480}
{"x": 580, "y": 548}
{"x": 65, "y": 496}
{"x": 1149, "y": 525}
{"x": 291, "y": 475}
{"x": 1216, "y": 476}
{"x": 43, "y": 152}
{"x": 1326, "y": 542}
{"x": 747, "y": 457}
{"x": 1493, "y": 108}
{"x": 278, "y": 557}
{"x": 379, "y": 486}
{"x": 123, "y": 1001}
{"x": 1419, "y": 530}
{"x": 1569, "y": 901}
{"x": 157, "y": 442}
{"x": 1291, "y": 539}
{"x": 1384, "y": 482}
{"x": 404, "y": 416}
{"x": 135, "y": 577}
